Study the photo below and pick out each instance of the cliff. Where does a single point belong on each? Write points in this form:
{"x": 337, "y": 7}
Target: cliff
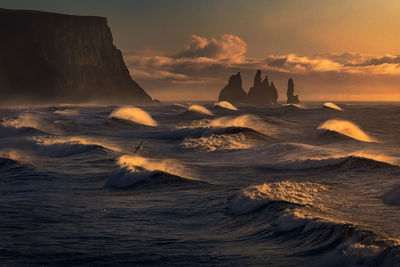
{"x": 233, "y": 92}
{"x": 262, "y": 93}
{"x": 291, "y": 98}
{"x": 48, "y": 57}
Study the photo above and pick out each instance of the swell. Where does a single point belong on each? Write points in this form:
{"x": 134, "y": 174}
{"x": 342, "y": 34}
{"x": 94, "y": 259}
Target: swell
{"x": 346, "y": 162}
{"x": 136, "y": 171}
{"x": 293, "y": 214}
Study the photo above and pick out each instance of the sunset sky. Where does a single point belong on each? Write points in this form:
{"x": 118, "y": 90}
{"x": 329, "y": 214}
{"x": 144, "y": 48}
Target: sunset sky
{"x": 186, "y": 49}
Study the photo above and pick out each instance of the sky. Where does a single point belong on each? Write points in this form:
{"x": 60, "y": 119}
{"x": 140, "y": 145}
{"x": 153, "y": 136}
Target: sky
{"x": 187, "y": 49}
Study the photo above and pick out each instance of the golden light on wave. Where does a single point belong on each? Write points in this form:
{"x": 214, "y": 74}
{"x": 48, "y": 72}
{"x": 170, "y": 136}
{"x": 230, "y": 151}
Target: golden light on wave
{"x": 347, "y": 128}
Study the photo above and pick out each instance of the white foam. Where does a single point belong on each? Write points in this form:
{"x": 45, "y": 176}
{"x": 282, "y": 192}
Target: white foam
{"x": 134, "y": 114}
{"x": 332, "y": 106}
{"x": 67, "y": 112}
{"x": 200, "y": 109}
{"x": 30, "y": 121}
{"x": 218, "y": 142}
{"x": 347, "y": 128}
{"x": 226, "y": 105}
{"x": 254, "y": 197}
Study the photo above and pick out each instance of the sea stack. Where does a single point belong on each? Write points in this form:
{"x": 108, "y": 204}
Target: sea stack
{"x": 291, "y": 98}
{"x": 233, "y": 92}
{"x": 262, "y": 93}
{"x": 274, "y": 93}
{"x": 53, "y": 58}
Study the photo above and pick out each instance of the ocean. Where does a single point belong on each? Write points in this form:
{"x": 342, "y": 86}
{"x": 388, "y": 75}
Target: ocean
{"x": 316, "y": 184}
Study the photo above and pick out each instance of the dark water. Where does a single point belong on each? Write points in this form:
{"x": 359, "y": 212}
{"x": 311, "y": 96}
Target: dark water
{"x": 282, "y": 186}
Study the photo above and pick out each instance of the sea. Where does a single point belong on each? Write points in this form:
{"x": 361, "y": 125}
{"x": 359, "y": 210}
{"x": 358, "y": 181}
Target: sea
{"x": 200, "y": 184}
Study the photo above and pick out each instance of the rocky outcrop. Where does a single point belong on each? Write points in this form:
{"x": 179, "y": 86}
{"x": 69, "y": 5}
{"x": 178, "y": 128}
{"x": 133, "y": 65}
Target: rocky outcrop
{"x": 48, "y": 57}
{"x": 291, "y": 98}
{"x": 262, "y": 93}
{"x": 274, "y": 94}
{"x": 233, "y": 92}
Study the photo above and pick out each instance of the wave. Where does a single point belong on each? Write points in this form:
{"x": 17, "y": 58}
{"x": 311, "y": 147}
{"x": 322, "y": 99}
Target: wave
{"x": 67, "y": 146}
{"x": 135, "y": 169}
{"x": 219, "y": 142}
{"x": 346, "y": 128}
{"x": 133, "y": 114}
{"x": 347, "y": 162}
{"x": 225, "y": 105}
{"x": 393, "y": 195}
{"x": 28, "y": 123}
{"x": 254, "y": 197}
{"x": 67, "y": 112}
{"x": 295, "y": 214}
{"x": 332, "y": 106}
{"x": 200, "y": 109}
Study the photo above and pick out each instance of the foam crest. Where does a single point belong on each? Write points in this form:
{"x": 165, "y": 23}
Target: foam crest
{"x": 332, "y": 106}
{"x": 200, "y": 109}
{"x": 347, "y": 128}
{"x": 226, "y": 105}
{"x": 54, "y": 140}
{"x": 218, "y": 142}
{"x": 246, "y": 121}
{"x": 137, "y": 163}
{"x": 134, "y": 114}
{"x": 254, "y": 197}
{"x": 67, "y": 112}
{"x": 30, "y": 121}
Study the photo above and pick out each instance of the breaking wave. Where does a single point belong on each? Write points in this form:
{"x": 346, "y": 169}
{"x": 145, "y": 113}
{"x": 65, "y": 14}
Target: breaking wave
{"x": 226, "y": 105}
{"x": 133, "y": 114}
{"x": 67, "y": 112}
{"x": 29, "y": 121}
{"x": 255, "y": 197}
{"x": 346, "y": 128}
{"x": 332, "y": 106}
{"x": 135, "y": 169}
{"x": 200, "y": 109}
{"x": 67, "y": 146}
{"x": 219, "y": 142}
{"x": 295, "y": 214}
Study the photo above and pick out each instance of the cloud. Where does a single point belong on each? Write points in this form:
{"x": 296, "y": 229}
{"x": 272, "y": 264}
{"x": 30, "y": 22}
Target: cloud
{"x": 229, "y": 47}
{"x": 203, "y": 67}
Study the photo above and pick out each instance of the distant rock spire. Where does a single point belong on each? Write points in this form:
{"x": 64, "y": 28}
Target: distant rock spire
{"x": 274, "y": 94}
{"x": 291, "y": 98}
{"x": 233, "y": 92}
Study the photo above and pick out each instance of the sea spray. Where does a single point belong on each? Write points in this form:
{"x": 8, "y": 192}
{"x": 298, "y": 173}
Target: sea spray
{"x": 134, "y": 114}
{"x": 346, "y": 128}
{"x": 332, "y": 106}
{"x": 200, "y": 109}
{"x": 226, "y": 105}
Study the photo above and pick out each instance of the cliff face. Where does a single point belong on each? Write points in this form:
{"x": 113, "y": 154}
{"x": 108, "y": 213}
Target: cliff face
{"x": 47, "y": 57}
{"x": 233, "y": 91}
{"x": 291, "y": 98}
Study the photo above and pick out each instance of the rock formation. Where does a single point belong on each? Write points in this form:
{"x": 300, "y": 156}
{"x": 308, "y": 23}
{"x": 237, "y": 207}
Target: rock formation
{"x": 48, "y": 57}
{"x": 262, "y": 93}
{"x": 291, "y": 98}
{"x": 233, "y": 92}
{"x": 274, "y": 93}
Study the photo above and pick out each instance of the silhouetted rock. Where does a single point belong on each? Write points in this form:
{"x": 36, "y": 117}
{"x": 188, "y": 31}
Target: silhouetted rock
{"x": 233, "y": 92}
{"x": 291, "y": 98}
{"x": 261, "y": 92}
{"x": 274, "y": 93}
{"x": 48, "y": 57}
